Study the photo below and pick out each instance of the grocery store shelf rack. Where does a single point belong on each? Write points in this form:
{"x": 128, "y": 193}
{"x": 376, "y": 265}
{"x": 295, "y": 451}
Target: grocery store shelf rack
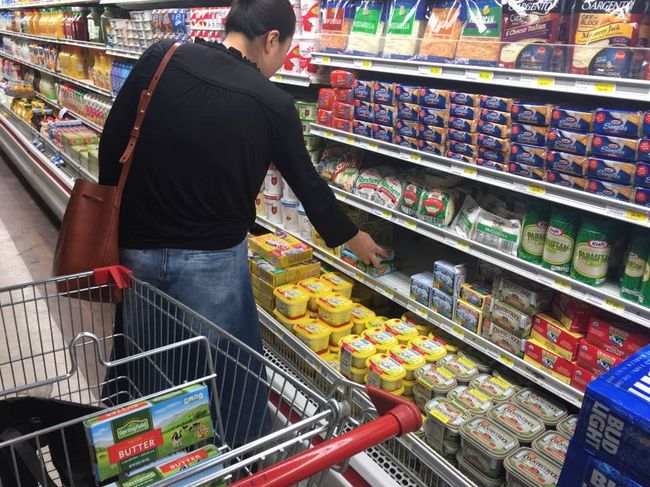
{"x": 316, "y": 372}
{"x": 599, "y": 205}
{"x": 63, "y": 110}
{"x": 298, "y": 79}
{"x": 59, "y": 3}
{"x": 76, "y": 82}
{"x": 396, "y": 287}
{"x": 123, "y": 54}
{"x": 621, "y": 88}
{"x": 54, "y": 40}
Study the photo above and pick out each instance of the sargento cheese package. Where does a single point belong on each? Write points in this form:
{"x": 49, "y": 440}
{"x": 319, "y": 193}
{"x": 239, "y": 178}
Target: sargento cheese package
{"x": 603, "y": 31}
{"x": 336, "y": 21}
{"x": 443, "y": 27}
{"x": 366, "y": 33}
{"x": 530, "y": 27}
{"x": 480, "y": 40}
{"x": 404, "y": 28}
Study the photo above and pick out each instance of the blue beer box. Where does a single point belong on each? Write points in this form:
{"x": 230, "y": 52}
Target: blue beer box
{"x": 422, "y": 288}
{"x": 614, "y": 422}
{"x": 585, "y": 470}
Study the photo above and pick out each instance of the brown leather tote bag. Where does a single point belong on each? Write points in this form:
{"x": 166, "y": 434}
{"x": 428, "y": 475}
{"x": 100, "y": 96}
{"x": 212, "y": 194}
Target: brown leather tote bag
{"x": 88, "y": 238}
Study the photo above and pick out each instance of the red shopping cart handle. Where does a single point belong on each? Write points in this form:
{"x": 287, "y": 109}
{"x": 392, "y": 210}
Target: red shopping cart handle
{"x": 115, "y": 274}
{"x": 398, "y": 417}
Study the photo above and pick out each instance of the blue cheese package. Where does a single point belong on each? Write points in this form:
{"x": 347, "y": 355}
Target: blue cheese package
{"x": 525, "y": 171}
{"x": 643, "y": 153}
{"x": 460, "y": 98}
{"x": 493, "y": 129}
{"x": 408, "y": 111}
{"x": 566, "y": 163}
{"x": 431, "y": 133}
{"x": 460, "y": 157}
{"x": 621, "y": 123}
{"x": 531, "y": 113}
{"x": 462, "y": 124}
{"x": 567, "y": 141}
{"x": 407, "y": 128}
{"x": 586, "y": 470}
{"x": 529, "y": 134}
{"x": 407, "y": 94}
{"x": 491, "y": 165}
{"x": 463, "y": 111}
{"x": 528, "y": 154}
{"x": 566, "y": 180}
{"x": 642, "y": 174}
{"x": 460, "y": 136}
{"x": 645, "y": 129}
{"x": 494, "y": 155}
{"x": 364, "y": 111}
{"x": 384, "y": 93}
{"x": 383, "y": 133}
{"x": 502, "y": 145}
{"x": 576, "y": 119}
{"x": 463, "y": 148}
{"x": 642, "y": 197}
{"x": 611, "y": 147}
{"x": 431, "y": 147}
{"x": 614, "y": 424}
{"x": 433, "y": 98}
{"x": 495, "y": 116}
{"x": 363, "y": 90}
{"x": 385, "y": 115}
{"x": 448, "y": 277}
{"x": 422, "y": 288}
{"x": 362, "y": 128}
{"x": 495, "y": 103}
{"x": 432, "y": 116}
{"x": 610, "y": 190}
{"x": 442, "y": 304}
{"x": 615, "y": 171}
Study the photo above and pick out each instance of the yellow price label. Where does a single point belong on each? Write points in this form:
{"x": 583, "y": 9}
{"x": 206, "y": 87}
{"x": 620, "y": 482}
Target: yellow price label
{"x": 325, "y": 59}
{"x": 373, "y": 146}
{"x": 435, "y": 70}
{"x": 462, "y": 245}
{"x": 422, "y": 311}
{"x": 386, "y": 214}
{"x": 409, "y": 224}
{"x": 389, "y": 293}
{"x": 505, "y": 360}
{"x": 348, "y": 140}
{"x": 615, "y": 305}
{"x": 563, "y": 284}
{"x": 329, "y": 135}
{"x": 414, "y": 157}
{"x": 363, "y": 63}
{"x": 458, "y": 331}
{"x": 470, "y": 172}
{"x": 542, "y": 81}
{"x": 277, "y": 77}
{"x": 636, "y": 216}
{"x": 536, "y": 189}
{"x": 359, "y": 276}
{"x": 485, "y": 75}
{"x": 605, "y": 87}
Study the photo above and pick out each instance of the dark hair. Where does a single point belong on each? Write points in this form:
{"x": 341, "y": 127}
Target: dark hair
{"x": 254, "y": 18}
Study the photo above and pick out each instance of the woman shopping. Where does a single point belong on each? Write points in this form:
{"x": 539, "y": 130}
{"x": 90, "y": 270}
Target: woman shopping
{"x": 214, "y": 124}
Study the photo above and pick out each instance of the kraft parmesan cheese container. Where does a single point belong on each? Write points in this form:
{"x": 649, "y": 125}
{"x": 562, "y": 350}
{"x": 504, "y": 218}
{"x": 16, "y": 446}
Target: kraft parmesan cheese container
{"x": 485, "y": 445}
{"x": 433, "y": 381}
{"x": 546, "y": 409}
{"x": 432, "y": 350}
{"x": 576, "y": 119}
{"x": 527, "y": 468}
{"x": 334, "y": 309}
{"x": 385, "y": 372}
{"x": 464, "y": 370}
{"x": 497, "y": 389}
{"x": 355, "y": 351}
{"x": 526, "y": 427}
{"x": 553, "y": 446}
{"x": 474, "y": 401}
{"x": 410, "y": 359}
{"x": 291, "y": 301}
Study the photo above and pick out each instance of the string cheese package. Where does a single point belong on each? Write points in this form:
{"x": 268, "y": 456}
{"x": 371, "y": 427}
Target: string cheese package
{"x": 404, "y": 28}
{"x": 366, "y": 33}
{"x": 443, "y": 27}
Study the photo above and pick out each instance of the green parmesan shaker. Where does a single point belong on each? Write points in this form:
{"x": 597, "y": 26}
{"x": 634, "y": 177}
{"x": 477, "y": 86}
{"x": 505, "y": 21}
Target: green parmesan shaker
{"x": 533, "y": 235}
{"x": 634, "y": 266}
{"x": 592, "y": 250}
{"x": 560, "y": 240}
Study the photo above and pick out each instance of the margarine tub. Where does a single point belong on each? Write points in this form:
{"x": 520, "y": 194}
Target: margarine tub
{"x": 399, "y": 392}
{"x": 553, "y": 445}
{"x": 568, "y": 425}
{"x": 360, "y": 317}
{"x": 314, "y": 288}
{"x": 404, "y": 331}
{"x": 355, "y": 351}
{"x": 289, "y": 323}
{"x": 473, "y": 400}
{"x": 313, "y": 333}
{"x": 485, "y": 445}
{"x": 355, "y": 375}
{"x": 443, "y": 423}
{"x": 497, "y": 389}
{"x": 475, "y": 475}
{"x": 380, "y": 338}
{"x": 291, "y": 301}
{"x": 385, "y": 372}
{"x": 339, "y": 332}
{"x": 408, "y": 387}
{"x": 376, "y": 322}
{"x": 338, "y": 283}
{"x": 464, "y": 370}
{"x": 410, "y": 359}
{"x": 483, "y": 365}
{"x": 423, "y": 327}
{"x": 429, "y": 348}
{"x": 527, "y": 468}
{"x": 518, "y": 421}
{"x": 433, "y": 381}
{"x": 546, "y": 409}
{"x": 334, "y": 309}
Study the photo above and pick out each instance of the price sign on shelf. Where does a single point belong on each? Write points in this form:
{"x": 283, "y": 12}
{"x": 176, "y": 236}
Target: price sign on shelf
{"x": 614, "y": 305}
{"x": 363, "y": 63}
{"x": 386, "y": 214}
{"x": 505, "y": 360}
{"x": 479, "y": 75}
{"x": 325, "y": 59}
{"x": 561, "y": 283}
{"x": 410, "y": 156}
{"x": 389, "y": 293}
{"x": 277, "y": 77}
{"x": 329, "y": 134}
{"x": 605, "y": 87}
{"x": 348, "y": 140}
{"x": 636, "y": 216}
{"x": 409, "y": 224}
{"x": 431, "y": 70}
{"x": 458, "y": 331}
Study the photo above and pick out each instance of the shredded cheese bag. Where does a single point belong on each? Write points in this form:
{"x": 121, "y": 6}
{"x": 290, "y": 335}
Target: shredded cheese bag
{"x": 442, "y": 31}
{"x": 367, "y": 183}
{"x": 404, "y": 28}
{"x": 480, "y": 41}
{"x": 366, "y": 33}
{"x": 336, "y": 23}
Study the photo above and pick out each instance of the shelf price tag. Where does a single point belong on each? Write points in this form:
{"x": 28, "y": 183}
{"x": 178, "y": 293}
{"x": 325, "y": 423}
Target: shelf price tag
{"x": 373, "y": 146}
{"x": 458, "y": 332}
{"x": 410, "y": 156}
{"x": 562, "y": 284}
{"x": 363, "y": 63}
{"x": 359, "y": 276}
{"x": 277, "y": 77}
{"x": 614, "y": 305}
{"x": 422, "y": 311}
{"x": 389, "y": 293}
{"x": 470, "y": 172}
{"x": 534, "y": 189}
{"x": 636, "y": 216}
{"x": 325, "y": 59}
{"x": 505, "y": 360}
{"x": 544, "y": 81}
{"x": 605, "y": 87}
{"x": 430, "y": 70}
{"x": 329, "y": 134}
{"x": 386, "y": 214}
{"x": 409, "y": 224}
{"x": 480, "y": 75}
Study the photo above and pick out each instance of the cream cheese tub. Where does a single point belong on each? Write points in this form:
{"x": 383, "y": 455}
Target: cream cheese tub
{"x": 355, "y": 375}
{"x": 355, "y": 351}
{"x": 385, "y": 372}
{"x": 429, "y": 348}
{"x": 463, "y": 369}
{"x": 527, "y": 468}
{"x": 552, "y": 445}
{"x": 443, "y": 422}
{"x": 497, "y": 389}
{"x": 433, "y": 381}
{"x": 546, "y": 409}
{"x": 314, "y": 287}
{"x": 380, "y": 338}
{"x": 525, "y": 426}
{"x": 334, "y": 308}
{"x": 291, "y": 301}
{"x": 408, "y": 387}
{"x": 485, "y": 445}
{"x": 474, "y": 401}
{"x": 376, "y": 322}
{"x": 475, "y": 475}
{"x": 404, "y": 331}
{"x": 568, "y": 425}
{"x": 409, "y": 359}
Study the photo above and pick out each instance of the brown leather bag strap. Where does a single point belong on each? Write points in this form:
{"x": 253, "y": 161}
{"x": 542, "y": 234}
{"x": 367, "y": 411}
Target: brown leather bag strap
{"x": 145, "y": 98}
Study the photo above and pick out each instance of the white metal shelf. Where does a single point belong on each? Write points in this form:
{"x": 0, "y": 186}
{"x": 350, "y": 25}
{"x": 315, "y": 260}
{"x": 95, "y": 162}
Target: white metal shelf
{"x": 620, "y": 88}
{"x": 123, "y": 54}
{"x": 600, "y": 205}
{"x": 54, "y": 40}
{"x": 297, "y": 79}
{"x": 441, "y": 467}
{"x": 396, "y": 287}
{"x": 81, "y": 118}
{"x": 81, "y": 83}
{"x": 59, "y": 3}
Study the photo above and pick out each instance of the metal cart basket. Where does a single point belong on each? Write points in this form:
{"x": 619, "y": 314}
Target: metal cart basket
{"x": 91, "y": 352}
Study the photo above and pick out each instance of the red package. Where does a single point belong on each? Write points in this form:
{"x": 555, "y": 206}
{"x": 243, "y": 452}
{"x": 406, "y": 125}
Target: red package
{"x": 325, "y": 117}
{"x": 341, "y": 124}
{"x": 344, "y": 95}
{"x": 615, "y": 338}
{"x": 596, "y": 360}
{"x": 340, "y": 78}
{"x": 573, "y": 314}
{"x": 558, "y": 367}
{"x": 343, "y": 110}
{"x": 326, "y": 98}
{"x": 581, "y": 378}
{"x": 550, "y": 333}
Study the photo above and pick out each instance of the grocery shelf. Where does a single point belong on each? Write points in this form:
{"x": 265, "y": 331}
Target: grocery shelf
{"x": 123, "y": 54}
{"x": 396, "y": 287}
{"x": 63, "y": 109}
{"x": 297, "y": 79}
{"x": 76, "y": 82}
{"x": 59, "y": 3}
{"x": 299, "y": 351}
{"x": 54, "y": 40}
{"x": 601, "y": 86}
{"x": 600, "y": 205}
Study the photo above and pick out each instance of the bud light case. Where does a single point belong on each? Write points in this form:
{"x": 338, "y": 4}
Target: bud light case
{"x": 585, "y": 470}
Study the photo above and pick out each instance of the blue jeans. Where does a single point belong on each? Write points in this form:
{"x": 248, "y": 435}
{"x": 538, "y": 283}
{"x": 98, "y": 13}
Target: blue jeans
{"x": 217, "y": 286}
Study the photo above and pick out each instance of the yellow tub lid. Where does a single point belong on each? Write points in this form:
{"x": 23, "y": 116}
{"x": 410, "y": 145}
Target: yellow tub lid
{"x": 335, "y": 302}
{"x": 386, "y": 367}
{"x": 312, "y": 329}
{"x": 336, "y": 281}
{"x": 401, "y": 328}
{"x": 358, "y": 346}
{"x": 361, "y": 314}
{"x": 314, "y": 286}
{"x": 399, "y": 391}
{"x": 289, "y": 321}
{"x": 379, "y": 336}
{"x": 291, "y": 294}
{"x": 409, "y": 359}
{"x": 376, "y": 322}
{"x": 430, "y": 348}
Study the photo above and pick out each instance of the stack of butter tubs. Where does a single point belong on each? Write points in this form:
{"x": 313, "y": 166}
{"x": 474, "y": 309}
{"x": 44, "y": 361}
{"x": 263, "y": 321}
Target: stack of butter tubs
{"x": 442, "y": 424}
{"x": 355, "y": 352}
{"x": 432, "y": 381}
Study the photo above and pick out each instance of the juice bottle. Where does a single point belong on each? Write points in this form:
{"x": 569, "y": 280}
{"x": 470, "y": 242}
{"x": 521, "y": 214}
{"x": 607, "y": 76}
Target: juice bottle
{"x": 33, "y": 26}
{"x": 93, "y": 20}
{"x": 67, "y": 24}
{"x": 63, "y": 62}
{"x": 27, "y": 16}
{"x": 77, "y": 64}
{"x": 109, "y": 13}
{"x": 60, "y": 23}
{"x": 44, "y": 22}
{"x": 80, "y": 24}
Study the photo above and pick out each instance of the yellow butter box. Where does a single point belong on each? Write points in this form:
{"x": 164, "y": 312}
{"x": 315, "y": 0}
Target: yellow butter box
{"x": 281, "y": 251}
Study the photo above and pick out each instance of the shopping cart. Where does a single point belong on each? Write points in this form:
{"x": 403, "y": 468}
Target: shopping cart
{"x": 94, "y": 353}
